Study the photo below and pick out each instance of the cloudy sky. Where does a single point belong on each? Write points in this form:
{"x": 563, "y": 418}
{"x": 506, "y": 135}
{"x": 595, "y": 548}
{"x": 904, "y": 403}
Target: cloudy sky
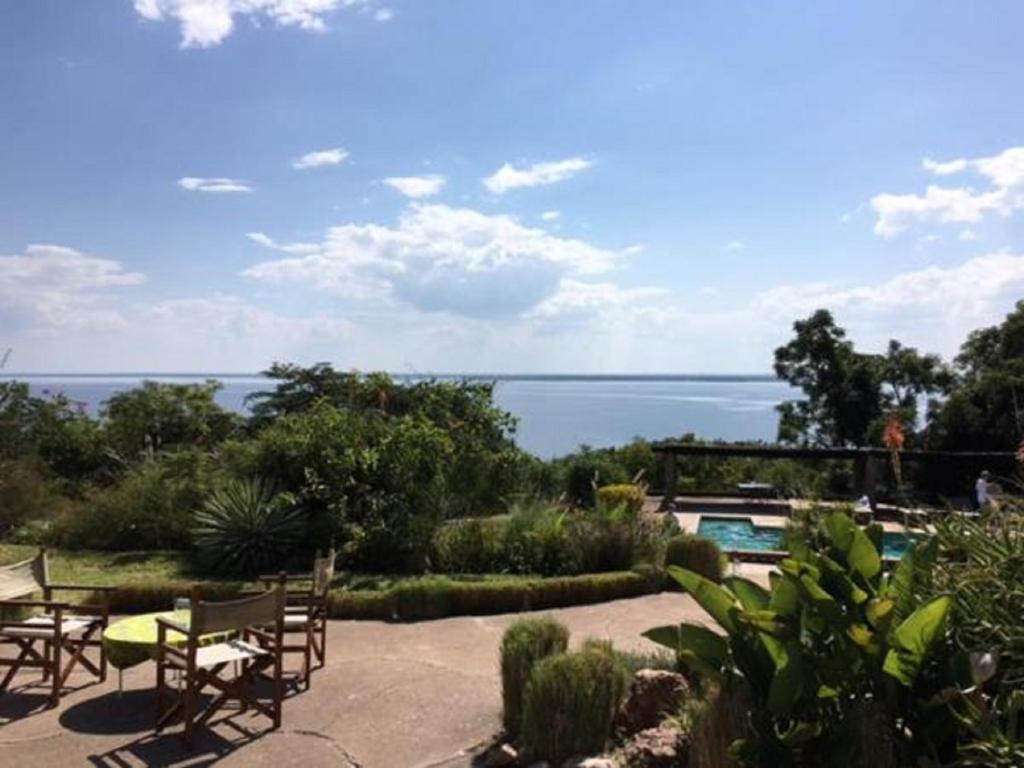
{"x": 505, "y": 186}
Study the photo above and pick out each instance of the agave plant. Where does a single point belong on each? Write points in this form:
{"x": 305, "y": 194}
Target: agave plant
{"x": 245, "y": 527}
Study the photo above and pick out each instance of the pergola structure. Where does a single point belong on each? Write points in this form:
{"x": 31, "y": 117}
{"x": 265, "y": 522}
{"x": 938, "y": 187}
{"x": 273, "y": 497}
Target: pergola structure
{"x": 866, "y": 461}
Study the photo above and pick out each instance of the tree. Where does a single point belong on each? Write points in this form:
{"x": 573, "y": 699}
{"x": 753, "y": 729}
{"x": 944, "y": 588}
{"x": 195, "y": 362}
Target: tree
{"x": 849, "y": 394}
{"x": 842, "y": 388}
{"x": 985, "y": 406}
{"x": 157, "y": 416}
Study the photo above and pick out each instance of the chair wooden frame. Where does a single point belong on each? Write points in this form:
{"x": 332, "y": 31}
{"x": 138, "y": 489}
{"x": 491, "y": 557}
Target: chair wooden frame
{"x": 306, "y": 613}
{"x": 65, "y": 629}
{"x": 259, "y": 620}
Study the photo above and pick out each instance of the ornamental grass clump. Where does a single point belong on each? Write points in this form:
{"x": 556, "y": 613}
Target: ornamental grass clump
{"x": 525, "y": 643}
{"x": 570, "y": 703}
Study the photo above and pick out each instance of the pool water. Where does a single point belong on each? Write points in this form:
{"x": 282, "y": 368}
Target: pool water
{"x": 741, "y": 534}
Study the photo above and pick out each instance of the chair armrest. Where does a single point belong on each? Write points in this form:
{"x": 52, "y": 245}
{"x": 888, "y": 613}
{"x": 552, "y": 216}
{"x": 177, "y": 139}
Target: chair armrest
{"x": 34, "y": 604}
{"x": 83, "y": 587}
{"x": 177, "y": 627}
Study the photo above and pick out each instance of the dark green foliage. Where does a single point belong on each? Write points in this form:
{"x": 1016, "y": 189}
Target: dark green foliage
{"x": 149, "y": 508}
{"x": 157, "y": 416}
{"x": 695, "y": 553}
{"x": 483, "y": 465}
{"x": 570, "y": 703}
{"x": 985, "y": 411}
{"x": 50, "y": 428}
{"x": 525, "y": 643}
{"x": 245, "y": 527}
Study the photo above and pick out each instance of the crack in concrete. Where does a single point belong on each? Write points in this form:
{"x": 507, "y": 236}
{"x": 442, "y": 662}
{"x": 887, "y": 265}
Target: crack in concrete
{"x": 345, "y": 754}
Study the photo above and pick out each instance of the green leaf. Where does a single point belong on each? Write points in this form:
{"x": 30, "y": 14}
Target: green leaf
{"x": 787, "y": 682}
{"x": 846, "y": 536}
{"x": 668, "y": 636}
{"x": 823, "y": 603}
{"x": 753, "y": 597}
{"x": 785, "y": 598}
{"x": 879, "y": 612}
{"x": 718, "y": 602}
{"x": 765, "y": 621}
{"x": 696, "y": 646}
{"x": 912, "y": 640}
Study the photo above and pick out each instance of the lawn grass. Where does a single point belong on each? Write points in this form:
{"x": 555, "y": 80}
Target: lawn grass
{"x": 106, "y": 568}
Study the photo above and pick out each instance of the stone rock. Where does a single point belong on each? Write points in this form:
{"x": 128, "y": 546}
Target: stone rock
{"x": 663, "y": 747}
{"x": 501, "y": 756}
{"x": 541, "y": 764}
{"x": 653, "y": 694}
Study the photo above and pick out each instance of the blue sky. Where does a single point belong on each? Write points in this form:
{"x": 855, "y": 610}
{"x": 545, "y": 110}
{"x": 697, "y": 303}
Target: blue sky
{"x": 501, "y": 186}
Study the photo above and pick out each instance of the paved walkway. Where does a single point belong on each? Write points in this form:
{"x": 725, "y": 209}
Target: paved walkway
{"x": 391, "y": 696}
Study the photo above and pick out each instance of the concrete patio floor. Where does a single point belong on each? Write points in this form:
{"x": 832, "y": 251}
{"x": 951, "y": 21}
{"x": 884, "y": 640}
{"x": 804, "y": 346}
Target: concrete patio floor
{"x": 423, "y": 695}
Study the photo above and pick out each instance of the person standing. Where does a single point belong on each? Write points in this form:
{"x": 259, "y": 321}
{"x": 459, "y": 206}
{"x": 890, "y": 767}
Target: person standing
{"x": 981, "y": 497}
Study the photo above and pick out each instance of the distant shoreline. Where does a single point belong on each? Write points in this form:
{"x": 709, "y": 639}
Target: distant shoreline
{"x": 752, "y": 377}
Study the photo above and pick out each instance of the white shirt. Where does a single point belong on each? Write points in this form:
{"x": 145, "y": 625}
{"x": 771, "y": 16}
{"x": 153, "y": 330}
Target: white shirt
{"x": 981, "y": 491}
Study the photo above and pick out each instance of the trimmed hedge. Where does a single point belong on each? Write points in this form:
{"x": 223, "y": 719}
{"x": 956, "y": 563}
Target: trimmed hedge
{"x": 430, "y": 597}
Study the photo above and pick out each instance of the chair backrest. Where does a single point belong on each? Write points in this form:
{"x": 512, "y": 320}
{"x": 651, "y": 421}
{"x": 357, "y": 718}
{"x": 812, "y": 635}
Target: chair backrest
{"x": 237, "y": 614}
{"x": 323, "y": 573}
{"x": 24, "y": 578}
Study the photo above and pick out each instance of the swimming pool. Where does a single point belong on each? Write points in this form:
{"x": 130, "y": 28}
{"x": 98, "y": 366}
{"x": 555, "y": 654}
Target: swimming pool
{"x": 738, "y": 533}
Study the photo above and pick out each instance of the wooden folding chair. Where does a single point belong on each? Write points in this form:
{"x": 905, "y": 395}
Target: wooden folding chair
{"x": 306, "y": 613}
{"x": 65, "y": 630}
{"x": 257, "y": 649}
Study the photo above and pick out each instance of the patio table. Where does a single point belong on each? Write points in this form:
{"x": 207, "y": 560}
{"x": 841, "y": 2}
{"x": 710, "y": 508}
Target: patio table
{"x": 129, "y": 642}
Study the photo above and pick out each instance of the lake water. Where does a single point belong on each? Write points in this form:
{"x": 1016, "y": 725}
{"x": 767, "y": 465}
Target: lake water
{"x": 556, "y": 413}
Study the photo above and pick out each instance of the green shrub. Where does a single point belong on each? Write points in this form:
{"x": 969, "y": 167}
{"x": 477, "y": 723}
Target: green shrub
{"x": 471, "y": 545}
{"x": 524, "y": 643}
{"x": 628, "y": 495}
{"x": 695, "y": 553}
{"x": 150, "y": 508}
{"x": 244, "y": 527}
{"x": 28, "y": 500}
{"x": 570, "y": 703}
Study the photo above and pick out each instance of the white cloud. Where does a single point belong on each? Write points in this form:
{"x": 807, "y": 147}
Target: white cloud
{"x": 54, "y": 286}
{"x": 944, "y": 169}
{"x": 967, "y": 234}
{"x": 320, "y": 158}
{"x": 217, "y": 184}
{"x": 416, "y": 186}
{"x": 961, "y": 297}
{"x": 509, "y": 177}
{"x": 961, "y": 205}
{"x": 206, "y": 23}
{"x": 578, "y": 300}
{"x": 268, "y": 242}
{"x": 735, "y": 246}
{"x": 384, "y": 14}
{"x": 550, "y": 216}
{"x": 443, "y": 259}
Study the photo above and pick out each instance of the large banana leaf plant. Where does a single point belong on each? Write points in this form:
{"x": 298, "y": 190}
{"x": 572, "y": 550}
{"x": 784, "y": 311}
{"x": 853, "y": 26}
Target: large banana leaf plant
{"x": 834, "y": 639}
